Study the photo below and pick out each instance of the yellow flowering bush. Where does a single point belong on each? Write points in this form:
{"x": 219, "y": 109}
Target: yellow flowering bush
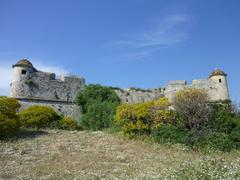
{"x": 38, "y": 117}
{"x": 9, "y": 123}
{"x": 68, "y": 123}
{"x": 143, "y": 117}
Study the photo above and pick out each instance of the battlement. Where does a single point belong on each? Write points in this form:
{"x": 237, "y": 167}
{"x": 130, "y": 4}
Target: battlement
{"x": 30, "y": 83}
{"x": 177, "y": 82}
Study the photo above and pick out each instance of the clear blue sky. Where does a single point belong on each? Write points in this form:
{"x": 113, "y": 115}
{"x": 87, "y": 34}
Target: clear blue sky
{"x": 141, "y": 43}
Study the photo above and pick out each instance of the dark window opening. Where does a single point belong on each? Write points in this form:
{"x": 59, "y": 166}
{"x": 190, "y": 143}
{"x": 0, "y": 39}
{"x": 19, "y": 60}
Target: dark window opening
{"x": 24, "y": 71}
{"x": 220, "y": 80}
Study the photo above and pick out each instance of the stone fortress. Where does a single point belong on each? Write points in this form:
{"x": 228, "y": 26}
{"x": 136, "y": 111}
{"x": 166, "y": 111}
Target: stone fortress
{"x": 33, "y": 87}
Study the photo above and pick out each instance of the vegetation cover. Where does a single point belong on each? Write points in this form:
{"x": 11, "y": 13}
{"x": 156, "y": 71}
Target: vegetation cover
{"x": 38, "y": 117}
{"x": 98, "y": 105}
{"x": 190, "y": 119}
{"x": 141, "y": 118}
{"x": 9, "y": 122}
{"x": 67, "y": 123}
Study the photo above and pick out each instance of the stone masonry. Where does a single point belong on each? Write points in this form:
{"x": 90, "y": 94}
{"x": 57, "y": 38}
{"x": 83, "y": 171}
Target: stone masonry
{"x": 31, "y": 86}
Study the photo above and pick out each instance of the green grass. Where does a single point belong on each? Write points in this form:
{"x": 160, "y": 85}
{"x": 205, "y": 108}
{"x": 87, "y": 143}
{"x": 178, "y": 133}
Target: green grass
{"x": 59, "y": 154}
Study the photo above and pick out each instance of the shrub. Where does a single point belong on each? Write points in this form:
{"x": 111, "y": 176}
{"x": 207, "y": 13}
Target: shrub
{"x": 140, "y": 118}
{"x": 192, "y": 104}
{"x": 68, "y": 123}
{"x": 167, "y": 133}
{"x": 235, "y": 137}
{"x": 161, "y": 113}
{"x": 95, "y": 92}
{"x": 98, "y": 105}
{"x": 9, "y": 123}
{"x": 38, "y": 117}
{"x": 224, "y": 117}
{"x": 134, "y": 118}
{"x": 99, "y": 115}
{"x": 215, "y": 140}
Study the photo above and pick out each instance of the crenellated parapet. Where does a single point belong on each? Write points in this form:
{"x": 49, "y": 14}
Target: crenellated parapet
{"x": 30, "y": 83}
{"x": 32, "y": 86}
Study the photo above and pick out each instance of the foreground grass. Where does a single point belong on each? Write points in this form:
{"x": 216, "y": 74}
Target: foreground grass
{"x": 58, "y": 154}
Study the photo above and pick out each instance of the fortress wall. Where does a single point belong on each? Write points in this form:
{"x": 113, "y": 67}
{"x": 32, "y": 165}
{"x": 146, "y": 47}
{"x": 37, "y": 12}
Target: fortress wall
{"x": 215, "y": 90}
{"x": 173, "y": 87}
{"x": 68, "y": 109}
{"x": 135, "y": 96}
{"x": 43, "y": 85}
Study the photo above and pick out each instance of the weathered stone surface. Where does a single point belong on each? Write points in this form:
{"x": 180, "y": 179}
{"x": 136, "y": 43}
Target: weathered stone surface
{"x": 134, "y": 95}
{"x": 42, "y": 85}
{"x": 31, "y": 86}
{"x": 66, "y": 108}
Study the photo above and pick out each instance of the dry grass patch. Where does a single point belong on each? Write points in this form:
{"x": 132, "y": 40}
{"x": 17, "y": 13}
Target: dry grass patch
{"x": 59, "y": 154}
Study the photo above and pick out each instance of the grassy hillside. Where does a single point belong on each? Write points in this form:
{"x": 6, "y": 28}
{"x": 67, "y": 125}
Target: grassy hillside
{"x": 58, "y": 154}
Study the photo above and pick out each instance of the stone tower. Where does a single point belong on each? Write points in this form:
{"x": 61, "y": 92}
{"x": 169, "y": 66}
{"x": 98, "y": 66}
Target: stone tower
{"x": 219, "y": 78}
{"x": 22, "y": 72}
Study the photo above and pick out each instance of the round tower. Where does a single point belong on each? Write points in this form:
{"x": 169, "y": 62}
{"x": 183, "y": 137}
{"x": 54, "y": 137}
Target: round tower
{"x": 219, "y": 78}
{"x": 22, "y": 71}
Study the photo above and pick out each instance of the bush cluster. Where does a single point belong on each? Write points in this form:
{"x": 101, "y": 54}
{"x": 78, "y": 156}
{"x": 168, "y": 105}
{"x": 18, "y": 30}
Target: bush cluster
{"x": 67, "y": 123}
{"x": 9, "y": 123}
{"x": 141, "y": 118}
{"x": 194, "y": 121}
{"x": 98, "y": 105}
{"x": 45, "y": 117}
{"x": 38, "y": 117}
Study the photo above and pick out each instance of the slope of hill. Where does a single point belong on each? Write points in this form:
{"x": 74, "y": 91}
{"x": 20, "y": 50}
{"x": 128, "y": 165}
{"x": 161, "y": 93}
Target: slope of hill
{"x": 61, "y": 154}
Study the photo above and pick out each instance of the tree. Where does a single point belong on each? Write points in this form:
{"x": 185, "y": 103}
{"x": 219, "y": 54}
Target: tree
{"x": 192, "y": 104}
{"x": 98, "y": 105}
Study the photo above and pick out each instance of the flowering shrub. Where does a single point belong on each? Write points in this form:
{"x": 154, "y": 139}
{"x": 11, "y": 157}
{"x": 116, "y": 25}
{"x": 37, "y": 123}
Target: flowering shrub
{"x": 67, "y": 123}
{"x": 38, "y": 117}
{"x": 9, "y": 123}
{"x": 143, "y": 117}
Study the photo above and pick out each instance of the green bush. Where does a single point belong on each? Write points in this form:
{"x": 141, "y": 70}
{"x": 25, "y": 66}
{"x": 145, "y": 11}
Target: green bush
{"x": 235, "y": 137}
{"x": 95, "y": 92}
{"x": 216, "y": 141}
{"x": 9, "y": 123}
{"x": 224, "y": 119}
{"x": 98, "y": 116}
{"x": 98, "y": 105}
{"x": 167, "y": 133}
{"x": 67, "y": 123}
{"x": 38, "y": 117}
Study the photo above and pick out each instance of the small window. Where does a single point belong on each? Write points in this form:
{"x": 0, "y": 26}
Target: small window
{"x": 24, "y": 71}
{"x": 220, "y": 80}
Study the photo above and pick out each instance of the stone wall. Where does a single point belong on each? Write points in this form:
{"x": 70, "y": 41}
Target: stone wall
{"x": 138, "y": 95}
{"x": 216, "y": 87}
{"x": 61, "y": 107}
{"x": 42, "y": 85}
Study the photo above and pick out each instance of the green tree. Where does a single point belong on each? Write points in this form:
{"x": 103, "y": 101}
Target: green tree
{"x": 98, "y": 105}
